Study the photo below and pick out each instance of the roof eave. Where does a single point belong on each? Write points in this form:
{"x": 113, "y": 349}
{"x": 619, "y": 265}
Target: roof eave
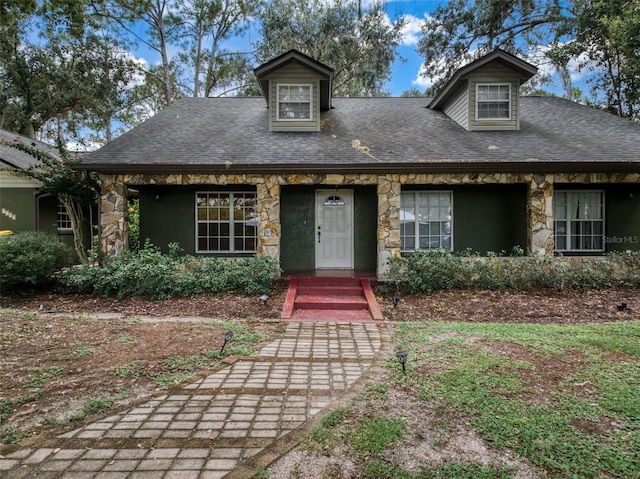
{"x": 529, "y": 166}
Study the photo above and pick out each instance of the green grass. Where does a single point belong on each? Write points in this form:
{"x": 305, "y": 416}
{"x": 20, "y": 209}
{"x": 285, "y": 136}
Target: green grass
{"x": 563, "y": 399}
{"x": 38, "y": 376}
{"x": 134, "y": 370}
{"x": 6, "y": 408}
{"x": 494, "y": 390}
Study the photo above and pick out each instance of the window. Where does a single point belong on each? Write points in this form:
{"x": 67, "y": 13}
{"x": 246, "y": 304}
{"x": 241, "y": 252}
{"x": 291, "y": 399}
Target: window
{"x": 493, "y": 102}
{"x": 294, "y": 102}
{"x": 226, "y": 222}
{"x": 425, "y": 220}
{"x": 64, "y": 222}
{"x": 579, "y": 220}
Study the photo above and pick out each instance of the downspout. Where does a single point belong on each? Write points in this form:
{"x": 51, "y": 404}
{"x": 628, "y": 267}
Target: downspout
{"x": 96, "y": 187}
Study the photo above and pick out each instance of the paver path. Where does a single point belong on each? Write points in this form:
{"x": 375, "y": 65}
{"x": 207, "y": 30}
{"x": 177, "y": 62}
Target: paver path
{"x": 222, "y": 425}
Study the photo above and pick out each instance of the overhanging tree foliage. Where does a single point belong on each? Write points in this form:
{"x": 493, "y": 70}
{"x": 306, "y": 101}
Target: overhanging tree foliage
{"x": 601, "y": 37}
{"x": 58, "y": 178}
{"x": 359, "y": 44}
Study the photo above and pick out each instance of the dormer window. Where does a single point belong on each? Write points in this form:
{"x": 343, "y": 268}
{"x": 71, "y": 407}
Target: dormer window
{"x": 493, "y": 101}
{"x": 294, "y": 102}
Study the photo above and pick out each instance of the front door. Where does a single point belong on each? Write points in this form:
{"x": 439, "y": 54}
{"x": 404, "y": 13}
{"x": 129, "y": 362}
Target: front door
{"x": 334, "y": 229}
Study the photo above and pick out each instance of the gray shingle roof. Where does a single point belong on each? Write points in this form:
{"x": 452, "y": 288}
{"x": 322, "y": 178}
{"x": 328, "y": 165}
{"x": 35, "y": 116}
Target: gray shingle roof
{"x": 207, "y": 134}
{"x": 17, "y": 158}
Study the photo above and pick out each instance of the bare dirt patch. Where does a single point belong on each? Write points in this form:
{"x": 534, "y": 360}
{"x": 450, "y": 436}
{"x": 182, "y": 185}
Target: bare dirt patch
{"x": 547, "y": 306}
{"x": 59, "y": 351}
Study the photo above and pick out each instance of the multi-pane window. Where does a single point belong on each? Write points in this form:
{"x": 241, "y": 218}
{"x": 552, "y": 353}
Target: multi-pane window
{"x": 294, "y": 102}
{"x": 579, "y": 220}
{"x": 494, "y": 102}
{"x": 226, "y": 222}
{"x": 426, "y": 220}
{"x": 64, "y": 222}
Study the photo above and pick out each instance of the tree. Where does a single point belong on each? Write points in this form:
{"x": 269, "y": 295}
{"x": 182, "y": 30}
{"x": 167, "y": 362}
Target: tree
{"x": 360, "y": 45}
{"x": 607, "y": 39}
{"x": 601, "y": 36}
{"x": 58, "y": 178}
{"x": 463, "y": 30}
{"x": 202, "y": 26}
{"x": 154, "y": 14}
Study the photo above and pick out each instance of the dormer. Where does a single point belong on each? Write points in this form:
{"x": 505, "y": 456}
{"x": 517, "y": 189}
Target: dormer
{"x": 485, "y": 94}
{"x": 297, "y": 88}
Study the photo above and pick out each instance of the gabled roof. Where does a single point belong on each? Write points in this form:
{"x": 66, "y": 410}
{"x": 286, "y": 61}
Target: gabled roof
{"x": 524, "y": 69}
{"x": 294, "y": 56}
{"x": 17, "y": 158}
{"x": 230, "y": 135}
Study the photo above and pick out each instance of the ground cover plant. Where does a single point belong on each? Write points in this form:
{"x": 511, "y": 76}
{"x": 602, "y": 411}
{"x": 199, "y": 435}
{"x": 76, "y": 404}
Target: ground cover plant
{"x": 490, "y": 401}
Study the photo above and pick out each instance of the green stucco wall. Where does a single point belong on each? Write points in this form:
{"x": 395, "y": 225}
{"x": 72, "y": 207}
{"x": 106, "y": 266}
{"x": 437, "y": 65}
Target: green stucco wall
{"x": 622, "y": 218}
{"x": 366, "y": 226}
{"x": 489, "y": 218}
{"x": 167, "y": 215}
{"x": 297, "y": 225}
{"x": 20, "y": 202}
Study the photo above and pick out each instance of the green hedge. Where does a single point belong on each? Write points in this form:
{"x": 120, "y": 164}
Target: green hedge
{"x": 431, "y": 270}
{"x": 148, "y": 272}
{"x": 29, "y": 259}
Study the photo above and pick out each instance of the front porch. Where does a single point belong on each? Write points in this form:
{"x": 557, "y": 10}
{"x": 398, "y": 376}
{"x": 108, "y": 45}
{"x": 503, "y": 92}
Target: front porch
{"x": 286, "y": 221}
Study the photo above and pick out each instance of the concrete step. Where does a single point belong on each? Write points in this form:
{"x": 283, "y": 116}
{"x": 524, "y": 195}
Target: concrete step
{"x": 331, "y": 315}
{"x": 326, "y": 290}
{"x": 338, "y": 302}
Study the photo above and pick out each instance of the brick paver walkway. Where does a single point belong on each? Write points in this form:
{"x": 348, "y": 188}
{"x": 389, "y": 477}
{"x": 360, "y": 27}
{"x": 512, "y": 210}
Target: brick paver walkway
{"x": 222, "y": 425}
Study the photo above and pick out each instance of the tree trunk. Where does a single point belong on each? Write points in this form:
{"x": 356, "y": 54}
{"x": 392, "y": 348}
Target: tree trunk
{"x": 76, "y": 216}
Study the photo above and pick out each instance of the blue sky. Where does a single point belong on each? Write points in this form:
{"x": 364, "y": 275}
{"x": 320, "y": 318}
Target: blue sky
{"x": 405, "y": 74}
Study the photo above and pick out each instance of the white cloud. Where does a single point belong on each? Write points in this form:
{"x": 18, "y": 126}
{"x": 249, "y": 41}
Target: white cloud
{"x": 412, "y": 30}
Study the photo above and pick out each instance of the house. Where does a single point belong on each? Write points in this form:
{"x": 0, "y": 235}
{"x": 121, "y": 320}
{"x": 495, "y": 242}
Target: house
{"x": 23, "y": 206}
{"x": 319, "y": 182}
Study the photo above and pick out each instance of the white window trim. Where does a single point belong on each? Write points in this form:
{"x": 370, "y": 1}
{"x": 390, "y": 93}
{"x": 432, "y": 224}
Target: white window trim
{"x": 65, "y": 219}
{"x": 568, "y": 221}
{"x": 231, "y": 224}
{"x": 417, "y": 234}
{"x": 310, "y": 102}
{"x": 477, "y": 102}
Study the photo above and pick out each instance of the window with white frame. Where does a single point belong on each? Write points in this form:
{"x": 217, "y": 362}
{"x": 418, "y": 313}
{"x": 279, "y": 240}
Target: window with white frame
{"x": 426, "y": 220}
{"x": 294, "y": 102}
{"x": 493, "y": 102}
{"x": 64, "y": 221}
{"x": 226, "y": 222}
{"x": 578, "y": 220}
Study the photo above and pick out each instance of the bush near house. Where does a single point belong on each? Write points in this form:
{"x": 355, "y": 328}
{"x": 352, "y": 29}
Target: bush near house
{"x": 432, "y": 270}
{"x": 29, "y": 259}
{"x": 148, "y": 272}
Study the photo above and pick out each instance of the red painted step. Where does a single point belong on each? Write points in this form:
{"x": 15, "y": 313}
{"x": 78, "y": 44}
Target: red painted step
{"x": 330, "y": 302}
{"x": 331, "y": 315}
{"x": 325, "y": 298}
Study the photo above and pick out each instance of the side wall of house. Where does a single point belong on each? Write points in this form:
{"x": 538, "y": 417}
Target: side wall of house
{"x": 17, "y": 209}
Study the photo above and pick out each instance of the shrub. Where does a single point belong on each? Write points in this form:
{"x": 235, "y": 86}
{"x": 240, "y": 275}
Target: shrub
{"x": 30, "y": 259}
{"x": 148, "y": 272}
{"x": 431, "y": 270}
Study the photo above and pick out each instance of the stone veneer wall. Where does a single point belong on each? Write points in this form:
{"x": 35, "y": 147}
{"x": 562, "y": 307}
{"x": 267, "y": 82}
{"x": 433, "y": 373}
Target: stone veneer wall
{"x": 115, "y": 226}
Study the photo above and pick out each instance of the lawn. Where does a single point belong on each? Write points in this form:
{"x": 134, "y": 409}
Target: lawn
{"x": 488, "y": 401}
